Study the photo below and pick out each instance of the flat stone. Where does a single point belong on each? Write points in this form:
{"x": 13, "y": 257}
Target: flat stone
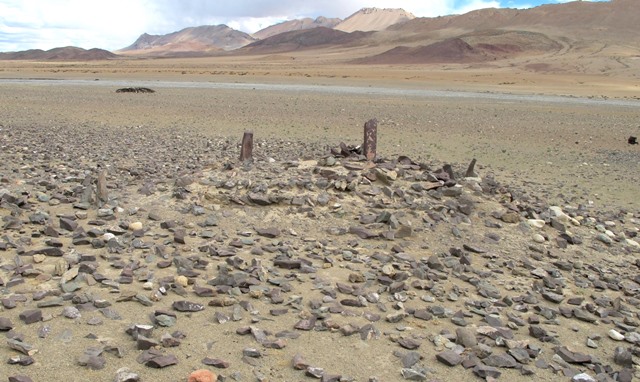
{"x": 553, "y": 297}
{"x": 270, "y": 232}
{"x": 409, "y": 343}
{"x": 572, "y": 357}
{"x": 287, "y": 263}
{"x": 306, "y": 324}
{"x": 22, "y": 360}
{"x": 20, "y": 378}
{"x": 314, "y": 372}
{"x": 362, "y": 233}
{"x": 500, "y": 360}
{"x": 187, "y": 306}
{"x": 144, "y": 343}
{"x": 520, "y": 354}
{"x": 484, "y": 371}
{"x": 251, "y": 353}
{"x": 21, "y": 347}
{"x": 449, "y": 358}
{"x": 162, "y": 361}
{"x": 47, "y": 251}
{"x": 216, "y": 362}
{"x": 410, "y": 359}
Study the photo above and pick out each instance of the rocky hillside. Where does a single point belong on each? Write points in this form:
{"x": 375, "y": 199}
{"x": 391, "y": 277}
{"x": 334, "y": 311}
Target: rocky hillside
{"x": 207, "y": 38}
{"x": 297, "y": 24}
{"x": 315, "y": 38}
{"x": 374, "y": 19}
{"x": 69, "y": 53}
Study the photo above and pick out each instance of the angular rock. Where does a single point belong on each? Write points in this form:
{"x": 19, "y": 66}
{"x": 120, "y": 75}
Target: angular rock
{"x": 449, "y": 358}
{"x": 22, "y": 347}
{"x": 5, "y": 324}
{"x": 216, "y": 362}
{"x": 125, "y": 375}
{"x": 20, "y": 378}
{"x": 570, "y": 356}
{"x": 409, "y": 343}
{"x": 500, "y": 360}
{"x": 484, "y": 371}
{"x": 93, "y": 362}
{"x": 466, "y": 337}
{"x": 162, "y": 361}
{"x": 270, "y": 232}
{"x": 413, "y": 375}
{"x": 31, "y": 316}
{"x": 187, "y": 306}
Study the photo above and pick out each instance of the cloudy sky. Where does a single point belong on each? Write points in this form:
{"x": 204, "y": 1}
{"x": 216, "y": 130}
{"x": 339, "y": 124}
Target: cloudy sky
{"x": 114, "y": 24}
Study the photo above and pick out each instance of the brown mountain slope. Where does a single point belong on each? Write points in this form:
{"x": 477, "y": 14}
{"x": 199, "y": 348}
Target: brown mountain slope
{"x": 616, "y": 19}
{"x": 198, "y": 40}
{"x": 373, "y": 19}
{"x": 589, "y": 37}
{"x": 473, "y": 47}
{"x": 69, "y": 53}
{"x": 315, "y": 38}
{"x": 298, "y": 24}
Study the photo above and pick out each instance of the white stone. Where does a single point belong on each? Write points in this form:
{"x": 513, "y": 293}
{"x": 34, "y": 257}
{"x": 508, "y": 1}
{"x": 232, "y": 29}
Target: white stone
{"x": 135, "y": 226}
{"x": 615, "y": 335}
{"x": 538, "y": 238}
{"x": 108, "y": 236}
{"x": 582, "y": 377}
{"x": 561, "y": 216}
{"x": 556, "y": 211}
{"x": 536, "y": 223}
{"x": 632, "y": 243}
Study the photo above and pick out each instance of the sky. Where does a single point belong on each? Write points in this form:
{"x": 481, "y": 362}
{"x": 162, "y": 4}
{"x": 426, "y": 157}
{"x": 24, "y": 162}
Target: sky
{"x": 115, "y": 24}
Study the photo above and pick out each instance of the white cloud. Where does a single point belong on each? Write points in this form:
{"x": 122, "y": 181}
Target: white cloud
{"x": 114, "y": 24}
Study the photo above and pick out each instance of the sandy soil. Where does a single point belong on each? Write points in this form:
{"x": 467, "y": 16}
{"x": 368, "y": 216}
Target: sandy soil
{"x": 566, "y": 153}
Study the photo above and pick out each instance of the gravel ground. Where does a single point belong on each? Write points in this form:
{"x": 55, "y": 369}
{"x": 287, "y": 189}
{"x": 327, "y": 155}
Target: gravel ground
{"x": 308, "y": 247}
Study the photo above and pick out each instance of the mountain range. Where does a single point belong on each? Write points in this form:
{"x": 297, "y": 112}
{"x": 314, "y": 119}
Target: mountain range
{"x": 394, "y": 36}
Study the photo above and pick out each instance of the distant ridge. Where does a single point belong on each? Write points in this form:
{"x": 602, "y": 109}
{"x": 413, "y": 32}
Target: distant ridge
{"x": 302, "y": 39}
{"x": 298, "y": 24}
{"x": 374, "y": 19}
{"x": 69, "y": 53}
{"x": 202, "y": 39}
